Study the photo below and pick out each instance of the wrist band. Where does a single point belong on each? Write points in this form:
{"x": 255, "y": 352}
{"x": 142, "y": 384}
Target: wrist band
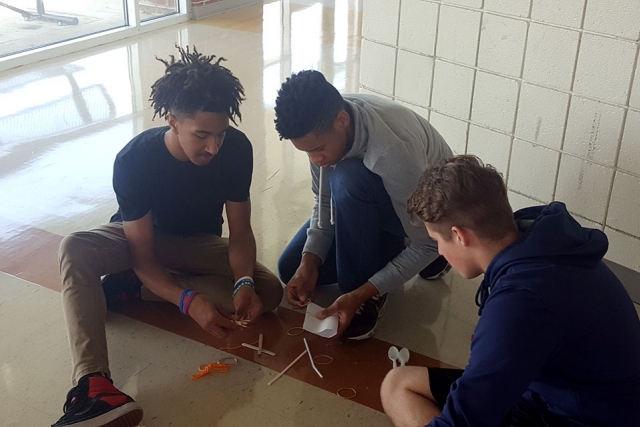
{"x": 187, "y": 302}
{"x": 243, "y": 281}
{"x": 185, "y": 294}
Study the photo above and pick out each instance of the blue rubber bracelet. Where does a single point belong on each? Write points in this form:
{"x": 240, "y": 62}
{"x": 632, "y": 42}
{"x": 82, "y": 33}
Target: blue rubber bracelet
{"x": 182, "y": 297}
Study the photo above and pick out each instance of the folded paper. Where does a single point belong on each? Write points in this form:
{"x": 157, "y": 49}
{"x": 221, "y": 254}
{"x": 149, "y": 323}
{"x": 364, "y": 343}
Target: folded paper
{"x": 326, "y": 328}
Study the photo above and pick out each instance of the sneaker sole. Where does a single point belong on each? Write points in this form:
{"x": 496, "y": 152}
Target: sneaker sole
{"x": 364, "y": 336}
{"x": 128, "y": 415}
{"x": 441, "y": 274}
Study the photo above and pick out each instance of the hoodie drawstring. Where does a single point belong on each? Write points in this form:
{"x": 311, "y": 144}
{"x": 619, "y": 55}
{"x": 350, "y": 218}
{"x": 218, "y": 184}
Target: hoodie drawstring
{"x": 481, "y": 296}
{"x": 331, "y": 217}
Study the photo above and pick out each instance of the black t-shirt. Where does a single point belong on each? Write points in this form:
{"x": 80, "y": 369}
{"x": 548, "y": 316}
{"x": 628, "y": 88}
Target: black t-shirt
{"x": 183, "y": 198}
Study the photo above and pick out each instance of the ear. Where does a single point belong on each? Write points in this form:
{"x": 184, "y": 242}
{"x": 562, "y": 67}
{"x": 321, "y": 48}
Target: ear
{"x": 462, "y": 236}
{"x": 173, "y": 121}
{"x": 342, "y": 121}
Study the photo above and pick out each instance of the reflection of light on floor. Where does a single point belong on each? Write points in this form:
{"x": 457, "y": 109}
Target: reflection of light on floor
{"x": 57, "y": 149}
{"x": 70, "y": 179}
{"x": 306, "y": 38}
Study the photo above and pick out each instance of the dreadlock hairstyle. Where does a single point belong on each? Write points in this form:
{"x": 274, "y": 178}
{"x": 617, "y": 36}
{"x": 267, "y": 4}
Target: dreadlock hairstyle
{"x": 306, "y": 103}
{"x": 195, "y": 83}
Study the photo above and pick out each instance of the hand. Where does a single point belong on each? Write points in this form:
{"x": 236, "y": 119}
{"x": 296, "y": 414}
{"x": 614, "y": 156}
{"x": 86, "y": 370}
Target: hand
{"x": 247, "y": 304}
{"x": 300, "y": 288}
{"x": 345, "y": 307}
{"x": 205, "y": 313}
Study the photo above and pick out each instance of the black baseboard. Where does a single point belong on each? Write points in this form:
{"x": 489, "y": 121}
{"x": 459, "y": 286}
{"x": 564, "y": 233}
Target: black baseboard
{"x": 629, "y": 278}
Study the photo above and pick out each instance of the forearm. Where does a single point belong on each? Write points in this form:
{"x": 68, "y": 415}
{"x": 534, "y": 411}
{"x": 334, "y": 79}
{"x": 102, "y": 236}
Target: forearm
{"x": 403, "y": 267}
{"x": 159, "y": 281}
{"x": 364, "y": 292}
{"x": 242, "y": 255}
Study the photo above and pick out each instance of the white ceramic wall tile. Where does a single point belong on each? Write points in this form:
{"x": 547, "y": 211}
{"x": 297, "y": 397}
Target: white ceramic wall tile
{"x": 468, "y": 3}
{"x": 371, "y": 92}
{"x": 377, "y": 66}
{"x": 625, "y": 204}
{"x": 458, "y": 33}
{"x": 583, "y": 187}
{"x": 518, "y": 201}
{"x": 635, "y": 90}
{"x": 566, "y": 12}
{"x": 494, "y": 101}
{"x": 492, "y": 147}
{"x": 541, "y": 115}
{"x": 532, "y": 170}
{"x": 452, "y": 89}
{"x": 623, "y": 249}
{"x": 453, "y": 131}
{"x": 604, "y": 68}
{"x": 418, "y": 25}
{"x": 629, "y": 158}
{"x": 508, "y": 7}
{"x": 380, "y": 20}
{"x": 413, "y": 77}
{"x": 550, "y": 56}
{"x": 616, "y": 17}
{"x": 422, "y": 112}
{"x": 502, "y": 44}
{"x": 593, "y": 130}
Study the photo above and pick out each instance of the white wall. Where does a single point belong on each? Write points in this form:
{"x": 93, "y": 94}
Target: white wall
{"x": 547, "y": 91}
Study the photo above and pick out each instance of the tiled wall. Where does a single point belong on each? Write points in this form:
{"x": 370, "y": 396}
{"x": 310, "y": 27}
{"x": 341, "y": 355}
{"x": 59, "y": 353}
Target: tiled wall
{"x": 547, "y": 91}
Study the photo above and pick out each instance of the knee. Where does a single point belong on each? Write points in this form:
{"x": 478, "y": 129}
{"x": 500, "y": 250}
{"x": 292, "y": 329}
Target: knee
{"x": 393, "y": 383}
{"x": 272, "y": 294}
{"x": 71, "y": 248}
{"x": 287, "y": 265}
{"x": 349, "y": 178}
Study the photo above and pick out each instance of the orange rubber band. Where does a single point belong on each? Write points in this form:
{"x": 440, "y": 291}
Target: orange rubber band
{"x": 295, "y": 328}
{"x": 322, "y": 363}
{"x": 211, "y": 368}
{"x": 355, "y": 393}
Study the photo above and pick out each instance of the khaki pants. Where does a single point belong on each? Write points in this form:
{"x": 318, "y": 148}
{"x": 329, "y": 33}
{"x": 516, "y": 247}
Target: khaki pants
{"x": 86, "y": 256}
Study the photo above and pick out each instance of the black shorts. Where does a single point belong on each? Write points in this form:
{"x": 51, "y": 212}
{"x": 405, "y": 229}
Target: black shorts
{"x": 524, "y": 414}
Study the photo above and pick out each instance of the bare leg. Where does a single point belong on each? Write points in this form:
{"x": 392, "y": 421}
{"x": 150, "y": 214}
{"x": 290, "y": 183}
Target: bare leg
{"x": 406, "y": 397}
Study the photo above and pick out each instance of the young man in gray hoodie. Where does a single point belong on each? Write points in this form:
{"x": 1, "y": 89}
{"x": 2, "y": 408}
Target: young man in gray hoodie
{"x": 367, "y": 155}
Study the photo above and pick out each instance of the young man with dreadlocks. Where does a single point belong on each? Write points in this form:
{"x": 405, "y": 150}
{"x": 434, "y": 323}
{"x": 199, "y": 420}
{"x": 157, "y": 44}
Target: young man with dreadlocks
{"x": 366, "y": 155}
{"x": 171, "y": 184}
{"x": 558, "y": 340}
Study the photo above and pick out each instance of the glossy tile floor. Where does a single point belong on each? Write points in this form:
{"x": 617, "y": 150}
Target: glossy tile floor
{"x": 61, "y": 125}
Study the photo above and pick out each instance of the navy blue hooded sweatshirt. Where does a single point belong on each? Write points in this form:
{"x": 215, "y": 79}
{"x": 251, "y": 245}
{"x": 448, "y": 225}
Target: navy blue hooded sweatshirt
{"x": 557, "y": 328}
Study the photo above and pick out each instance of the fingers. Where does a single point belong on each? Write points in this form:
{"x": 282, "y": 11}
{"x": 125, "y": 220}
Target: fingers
{"x": 329, "y": 311}
{"x": 221, "y": 329}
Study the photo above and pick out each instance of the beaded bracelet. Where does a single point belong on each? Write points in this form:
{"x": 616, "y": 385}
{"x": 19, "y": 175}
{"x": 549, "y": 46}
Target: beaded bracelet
{"x": 243, "y": 281}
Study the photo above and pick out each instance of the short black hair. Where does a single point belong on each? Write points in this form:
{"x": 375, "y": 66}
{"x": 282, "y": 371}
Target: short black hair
{"x": 195, "y": 83}
{"x": 306, "y": 103}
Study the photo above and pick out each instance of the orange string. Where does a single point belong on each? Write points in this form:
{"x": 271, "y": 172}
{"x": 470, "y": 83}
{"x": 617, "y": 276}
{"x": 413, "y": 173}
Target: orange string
{"x": 211, "y": 368}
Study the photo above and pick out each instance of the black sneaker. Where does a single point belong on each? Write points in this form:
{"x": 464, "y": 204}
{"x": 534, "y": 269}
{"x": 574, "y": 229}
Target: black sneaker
{"x": 437, "y": 269}
{"x": 95, "y": 402}
{"x": 363, "y": 325}
{"x": 121, "y": 287}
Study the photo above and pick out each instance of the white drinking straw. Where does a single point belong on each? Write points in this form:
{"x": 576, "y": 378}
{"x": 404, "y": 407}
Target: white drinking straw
{"x": 287, "y": 368}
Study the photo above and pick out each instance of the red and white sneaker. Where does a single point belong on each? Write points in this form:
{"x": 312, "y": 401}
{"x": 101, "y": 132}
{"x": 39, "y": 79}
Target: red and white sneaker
{"x": 95, "y": 402}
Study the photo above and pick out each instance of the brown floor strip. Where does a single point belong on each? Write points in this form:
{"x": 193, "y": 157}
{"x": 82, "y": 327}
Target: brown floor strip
{"x": 31, "y": 254}
{"x": 360, "y": 365}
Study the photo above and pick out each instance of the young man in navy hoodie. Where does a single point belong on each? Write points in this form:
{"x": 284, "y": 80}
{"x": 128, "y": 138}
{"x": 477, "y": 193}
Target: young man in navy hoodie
{"x": 558, "y": 340}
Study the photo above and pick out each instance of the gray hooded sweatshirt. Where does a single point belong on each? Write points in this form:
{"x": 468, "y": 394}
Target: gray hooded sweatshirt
{"x": 398, "y": 145}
